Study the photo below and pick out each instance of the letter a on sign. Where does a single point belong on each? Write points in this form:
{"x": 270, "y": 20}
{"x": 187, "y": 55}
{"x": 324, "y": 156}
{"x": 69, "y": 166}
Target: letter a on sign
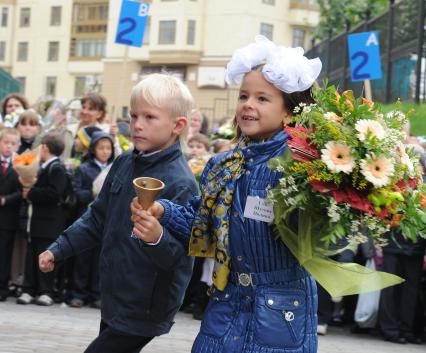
{"x": 372, "y": 39}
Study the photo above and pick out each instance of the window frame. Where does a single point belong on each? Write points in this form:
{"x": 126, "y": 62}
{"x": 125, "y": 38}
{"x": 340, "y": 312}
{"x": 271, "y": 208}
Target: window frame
{"x": 50, "y": 48}
{"x": 55, "y": 81}
{"x": 23, "y": 19}
{"x": 293, "y": 37}
{"x": 58, "y": 16}
{"x": 21, "y": 46}
{"x": 163, "y": 31}
{"x": 4, "y": 16}
{"x": 190, "y": 39}
{"x": 3, "y": 50}
{"x": 262, "y": 32}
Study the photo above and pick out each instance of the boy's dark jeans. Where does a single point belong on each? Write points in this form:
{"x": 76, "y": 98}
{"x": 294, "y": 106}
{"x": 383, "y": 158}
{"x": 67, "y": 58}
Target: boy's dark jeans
{"x": 111, "y": 341}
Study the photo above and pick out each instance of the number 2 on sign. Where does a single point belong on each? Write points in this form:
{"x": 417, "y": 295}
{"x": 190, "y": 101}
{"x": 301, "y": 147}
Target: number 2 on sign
{"x": 143, "y": 12}
{"x": 120, "y": 36}
{"x": 364, "y": 60}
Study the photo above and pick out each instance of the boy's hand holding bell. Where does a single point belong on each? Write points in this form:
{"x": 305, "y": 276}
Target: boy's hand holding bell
{"x": 146, "y": 212}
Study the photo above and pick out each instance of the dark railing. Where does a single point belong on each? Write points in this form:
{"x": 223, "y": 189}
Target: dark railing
{"x": 401, "y": 36}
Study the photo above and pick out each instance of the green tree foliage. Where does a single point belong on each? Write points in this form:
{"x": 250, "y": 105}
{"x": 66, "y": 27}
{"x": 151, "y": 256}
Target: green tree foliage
{"x": 335, "y": 13}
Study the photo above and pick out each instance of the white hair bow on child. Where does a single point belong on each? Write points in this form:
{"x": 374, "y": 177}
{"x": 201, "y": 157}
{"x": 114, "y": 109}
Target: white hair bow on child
{"x": 286, "y": 68}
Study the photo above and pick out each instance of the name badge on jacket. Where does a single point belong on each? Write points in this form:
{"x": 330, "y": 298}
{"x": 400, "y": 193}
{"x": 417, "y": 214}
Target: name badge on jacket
{"x": 258, "y": 209}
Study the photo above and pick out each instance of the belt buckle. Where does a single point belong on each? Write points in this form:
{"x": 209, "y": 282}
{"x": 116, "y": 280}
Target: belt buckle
{"x": 245, "y": 279}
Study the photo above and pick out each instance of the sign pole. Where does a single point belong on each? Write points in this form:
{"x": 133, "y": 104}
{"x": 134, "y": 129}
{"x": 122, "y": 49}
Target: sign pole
{"x": 368, "y": 90}
{"x": 121, "y": 85}
{"x": 130, "y": 31}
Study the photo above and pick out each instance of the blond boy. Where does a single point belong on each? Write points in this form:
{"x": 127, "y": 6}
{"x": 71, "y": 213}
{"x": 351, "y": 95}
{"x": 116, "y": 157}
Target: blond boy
{"x": 142, "y": 284}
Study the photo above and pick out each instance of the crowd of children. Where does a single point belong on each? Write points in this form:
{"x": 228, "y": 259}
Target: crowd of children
{"x": 80, "y": 152}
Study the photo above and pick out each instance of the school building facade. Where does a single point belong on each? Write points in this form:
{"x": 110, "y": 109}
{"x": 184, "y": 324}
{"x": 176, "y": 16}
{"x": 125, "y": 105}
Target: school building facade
{"x": 64, "y": 48}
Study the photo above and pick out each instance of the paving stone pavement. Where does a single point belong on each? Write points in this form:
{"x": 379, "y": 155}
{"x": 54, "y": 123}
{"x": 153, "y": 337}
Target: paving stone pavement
{"x": 60, "y": 329}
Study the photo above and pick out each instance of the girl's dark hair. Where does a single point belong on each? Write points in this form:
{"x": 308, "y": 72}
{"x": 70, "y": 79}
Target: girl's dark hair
{"x": 97, "y": 102}
{"x": 18, "y": 97}
{"x": 291, "y": 101}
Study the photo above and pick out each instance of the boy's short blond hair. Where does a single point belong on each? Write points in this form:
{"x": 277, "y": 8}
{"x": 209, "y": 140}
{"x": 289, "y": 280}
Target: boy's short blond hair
{"x": 164, "y": 90}
{"x": 9, "y": 131}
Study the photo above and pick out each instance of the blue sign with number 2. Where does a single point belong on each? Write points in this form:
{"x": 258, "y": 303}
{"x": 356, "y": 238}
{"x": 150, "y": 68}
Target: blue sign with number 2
{"x": 132, "y": 23}
{"x": 364, "y": 56}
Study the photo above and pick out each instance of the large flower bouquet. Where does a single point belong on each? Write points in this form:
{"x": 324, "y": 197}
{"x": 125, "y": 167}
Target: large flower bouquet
{"x": 348, "y": 177}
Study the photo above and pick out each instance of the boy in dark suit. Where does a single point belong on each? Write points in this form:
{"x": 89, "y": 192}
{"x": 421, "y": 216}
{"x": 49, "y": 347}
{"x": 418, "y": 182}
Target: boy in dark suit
{"x": 10, "y": 198}
{"x": 47, "y": 220}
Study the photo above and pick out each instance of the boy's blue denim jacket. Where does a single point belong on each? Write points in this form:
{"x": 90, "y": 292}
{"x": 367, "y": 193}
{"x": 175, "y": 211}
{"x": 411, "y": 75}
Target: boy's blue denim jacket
{"x": 142, "y": 286}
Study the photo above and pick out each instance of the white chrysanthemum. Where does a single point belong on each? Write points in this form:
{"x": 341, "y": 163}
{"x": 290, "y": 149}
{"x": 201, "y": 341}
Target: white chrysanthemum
{"x": 377, "y": 170}
{"x": 338, "y": 157}
{"x": 404, "y": 157}
{"x": 368, "y": 127}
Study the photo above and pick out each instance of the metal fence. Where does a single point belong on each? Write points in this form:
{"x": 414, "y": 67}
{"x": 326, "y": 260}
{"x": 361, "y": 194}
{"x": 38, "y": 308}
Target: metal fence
{"x": 401, "y": 36}
{"x": 8, "y": 84}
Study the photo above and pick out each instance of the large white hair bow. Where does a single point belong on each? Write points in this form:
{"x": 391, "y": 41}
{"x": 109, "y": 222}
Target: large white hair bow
{"x": 286, "y": 68}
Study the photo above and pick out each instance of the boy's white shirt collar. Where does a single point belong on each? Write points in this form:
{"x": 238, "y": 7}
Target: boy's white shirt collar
{"x": 8, "y": 159}
{"x": 44, "y": 165}
{"x": 141, "y": 153}
{"x": 100, "y": 164}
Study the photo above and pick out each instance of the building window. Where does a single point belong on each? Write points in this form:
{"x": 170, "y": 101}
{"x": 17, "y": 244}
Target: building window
{"x": 85, "y": 84}
{"x": 22, "y": 51}
{"x": 53, "y": 53}
{"x": 24, "y": 19}
{"x": 190, "y": 36}
{"x": 92, "y": 12}
{"x": 175, "y": 71}
{"x": 55, "y": 15}
{"x": 80, "y": 86}
{"x": 51, "y": 86}
{"x": 267, "y": 30}
{"x": 147, "y": 32}
{"x": 167, "y": 33}
{"x": 22, "y": 81}
{"x": 2, "y": 51}
{"x": 103, "y": 12}
{"x": 298, "y": 37}
{"x": 90, "y": 47}
{"x": 4, "y": 16}
{"x": 269, "y": 2}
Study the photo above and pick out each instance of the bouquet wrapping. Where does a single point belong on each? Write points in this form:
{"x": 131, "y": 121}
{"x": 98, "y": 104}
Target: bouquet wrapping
{"x": 347, "y": 176}
{"x": 26, "y": 166}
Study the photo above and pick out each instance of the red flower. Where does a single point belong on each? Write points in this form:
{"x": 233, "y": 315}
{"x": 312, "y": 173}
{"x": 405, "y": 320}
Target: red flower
{"x": 402, "y": 184}
{"x": 300, "y": 145}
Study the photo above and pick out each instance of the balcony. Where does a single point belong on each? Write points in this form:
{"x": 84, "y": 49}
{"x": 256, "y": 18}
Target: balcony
{"x": 303, "y": 13}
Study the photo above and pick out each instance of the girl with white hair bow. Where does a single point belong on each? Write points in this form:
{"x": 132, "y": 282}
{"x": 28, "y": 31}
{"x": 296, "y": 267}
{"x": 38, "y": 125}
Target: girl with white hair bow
{"x": 261, "y": 300}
